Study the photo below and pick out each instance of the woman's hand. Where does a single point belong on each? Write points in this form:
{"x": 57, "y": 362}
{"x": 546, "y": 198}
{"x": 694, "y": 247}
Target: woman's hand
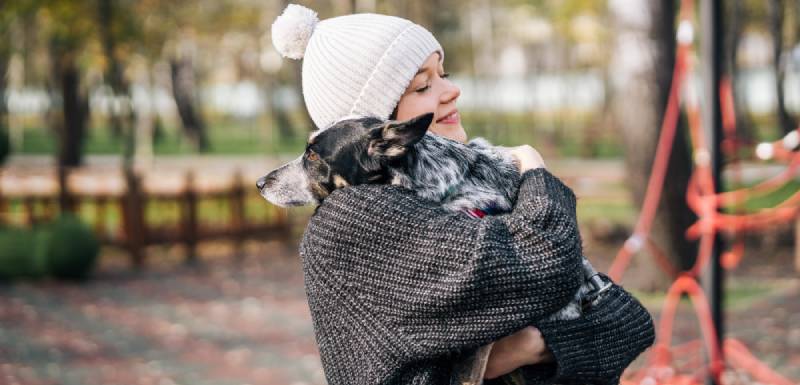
{"x": 525, "y": 347}
{"x": 527, "y": 157}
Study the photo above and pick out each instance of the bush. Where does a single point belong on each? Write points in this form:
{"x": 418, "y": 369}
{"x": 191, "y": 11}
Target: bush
{"x": 66, "y": 248}
{"x": 18, "y": 256}
{"x": 69, "y": 247}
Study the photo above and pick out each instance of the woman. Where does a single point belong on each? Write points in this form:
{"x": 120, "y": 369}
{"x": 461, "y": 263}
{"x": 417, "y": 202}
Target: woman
{"x": 398, "y": 287}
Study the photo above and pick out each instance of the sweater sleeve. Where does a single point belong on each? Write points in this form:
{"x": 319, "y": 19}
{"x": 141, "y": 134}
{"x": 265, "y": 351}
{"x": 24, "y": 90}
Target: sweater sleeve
{"x": 597, "y": 347}
{"x": 443, "y": 281}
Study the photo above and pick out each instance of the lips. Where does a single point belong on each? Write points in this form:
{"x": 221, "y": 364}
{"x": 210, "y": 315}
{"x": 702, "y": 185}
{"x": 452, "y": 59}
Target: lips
{"x": 451, "y": 118}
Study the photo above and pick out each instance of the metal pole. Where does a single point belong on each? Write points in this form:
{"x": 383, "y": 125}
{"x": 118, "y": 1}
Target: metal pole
{"x": 711, "y": 48}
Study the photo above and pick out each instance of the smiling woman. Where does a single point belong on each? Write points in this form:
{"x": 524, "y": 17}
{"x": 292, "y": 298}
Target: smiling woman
{"x": 431, "y": 91}
{"x": 400, "y": 289}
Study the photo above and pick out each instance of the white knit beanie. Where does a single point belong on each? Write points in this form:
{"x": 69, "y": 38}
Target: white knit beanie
{"x": 357, "y": 64}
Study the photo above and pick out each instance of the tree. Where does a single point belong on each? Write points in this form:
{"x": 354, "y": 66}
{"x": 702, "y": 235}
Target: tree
{"x": 115, "y": 24}
{"x": 186, "y": 37}
{"x": 735, "y": 28}
{"x": 68, "y": 32}
{"x": 644, "y": 55}
{"x": 5, "y": 57}
{"x": 184, "y": 90}
{"x": 776, "y": 11}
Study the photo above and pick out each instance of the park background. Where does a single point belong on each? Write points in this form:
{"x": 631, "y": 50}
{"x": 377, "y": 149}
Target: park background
{"x": 151, "y": 120}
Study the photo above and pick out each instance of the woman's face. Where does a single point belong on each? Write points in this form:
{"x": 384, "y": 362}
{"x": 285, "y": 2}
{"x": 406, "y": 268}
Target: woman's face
{"x": 430, "y": 91}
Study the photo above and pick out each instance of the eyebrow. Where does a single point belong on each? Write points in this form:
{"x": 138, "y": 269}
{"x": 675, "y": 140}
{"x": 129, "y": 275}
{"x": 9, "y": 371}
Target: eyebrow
{"x": 421, "y": 70}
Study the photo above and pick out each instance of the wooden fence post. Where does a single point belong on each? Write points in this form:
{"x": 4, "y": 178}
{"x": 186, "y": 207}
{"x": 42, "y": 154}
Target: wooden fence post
{"x": 100, "y": 217}
{"x": 190, "y": 227}
{"x": 238, "y": 220}
{"x": 30, "y": 211}
{"x": 66, "y": 202}
{"x": 51, "y": 211}
{"x": 133, "y": 221}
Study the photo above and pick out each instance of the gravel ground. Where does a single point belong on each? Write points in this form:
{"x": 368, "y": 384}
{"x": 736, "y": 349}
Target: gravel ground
{"x": 246, "y": 322}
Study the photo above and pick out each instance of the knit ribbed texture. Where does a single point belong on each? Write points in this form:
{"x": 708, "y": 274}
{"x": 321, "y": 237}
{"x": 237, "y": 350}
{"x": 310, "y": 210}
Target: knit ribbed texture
{"x": 618, "y": 317}
{"x": 361, "y": 65}
{"x": 399, "y": 287}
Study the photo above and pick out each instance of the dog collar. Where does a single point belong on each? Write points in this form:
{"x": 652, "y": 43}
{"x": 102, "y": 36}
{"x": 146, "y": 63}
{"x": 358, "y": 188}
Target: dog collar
{"x": 476, "y": 213}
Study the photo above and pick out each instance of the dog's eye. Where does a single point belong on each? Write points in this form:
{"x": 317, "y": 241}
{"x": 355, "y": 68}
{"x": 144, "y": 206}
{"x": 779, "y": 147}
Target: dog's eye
{"x": 313, "y": 157}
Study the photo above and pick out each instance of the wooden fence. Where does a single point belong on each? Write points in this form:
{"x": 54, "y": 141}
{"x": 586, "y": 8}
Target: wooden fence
{"x": 133, "y": 211}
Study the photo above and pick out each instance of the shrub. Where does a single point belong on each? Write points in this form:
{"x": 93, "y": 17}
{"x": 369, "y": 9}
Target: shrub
{"x": 69, "y": 247}
{"x": 18, "y": 256}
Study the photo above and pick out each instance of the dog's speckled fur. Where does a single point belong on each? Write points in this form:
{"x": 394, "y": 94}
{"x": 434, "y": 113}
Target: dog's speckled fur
{"x": 460, "y": 177}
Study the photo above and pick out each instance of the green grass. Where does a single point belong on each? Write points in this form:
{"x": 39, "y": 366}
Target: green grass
{"x": 555, "y": 133}
{"x": 738, "y": 295}
{"x": 212, "y": 212}
{"x": 561, "y": 135}
{"x": 763, "y": 201}
{"x": 613, "y": 210}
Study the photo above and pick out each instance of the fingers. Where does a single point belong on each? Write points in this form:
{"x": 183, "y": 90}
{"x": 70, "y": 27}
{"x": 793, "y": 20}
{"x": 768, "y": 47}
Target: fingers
{"x": 525, "y": 347}
{"x": 527, "y": 157}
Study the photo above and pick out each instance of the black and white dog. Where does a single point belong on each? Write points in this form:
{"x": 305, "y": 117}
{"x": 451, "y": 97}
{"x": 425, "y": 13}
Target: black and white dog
{"x": 476, "y": 178}
{"x": 370, "y": 151}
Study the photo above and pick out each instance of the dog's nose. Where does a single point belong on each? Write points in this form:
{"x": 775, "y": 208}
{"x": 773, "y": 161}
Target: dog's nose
{"x": 262, "y": 182}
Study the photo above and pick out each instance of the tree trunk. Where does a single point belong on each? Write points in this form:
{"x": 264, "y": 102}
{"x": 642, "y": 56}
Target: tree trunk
{"x": 5, "y": 141}
{"x": 184, "y": 91}
{"x": 71, "y": 127}
{"x": 144, "y": 120}
{"x": 645, "y": 56}
{"x": 785, "y": 122}
{"x": 121, "y": 115}
{"x": 738, "y": 20}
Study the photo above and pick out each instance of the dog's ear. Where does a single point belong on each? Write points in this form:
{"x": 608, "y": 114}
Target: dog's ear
{"x": 395, "y": 138}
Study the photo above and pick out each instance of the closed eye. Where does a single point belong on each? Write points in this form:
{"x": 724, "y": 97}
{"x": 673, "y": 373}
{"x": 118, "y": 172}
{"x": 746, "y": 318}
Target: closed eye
{"x": 444, "y": 75}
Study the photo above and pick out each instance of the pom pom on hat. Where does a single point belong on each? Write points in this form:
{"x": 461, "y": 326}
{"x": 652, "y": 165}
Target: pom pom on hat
{"x": 292, "y": 30}
{"x": 356, "y": 64}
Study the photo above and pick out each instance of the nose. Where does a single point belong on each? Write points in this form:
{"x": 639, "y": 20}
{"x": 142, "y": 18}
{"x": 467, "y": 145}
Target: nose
{"x": 451, "y": 92}
{"x": 264, "y": 181}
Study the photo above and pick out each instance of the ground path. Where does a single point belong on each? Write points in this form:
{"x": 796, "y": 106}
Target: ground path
{"x": 225, "y": 323}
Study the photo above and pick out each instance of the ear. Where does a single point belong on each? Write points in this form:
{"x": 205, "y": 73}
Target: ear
{"x": 395, "y": 138}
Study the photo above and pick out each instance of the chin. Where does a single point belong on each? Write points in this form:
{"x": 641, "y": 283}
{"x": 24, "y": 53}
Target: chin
{"x": 451, "y": 131}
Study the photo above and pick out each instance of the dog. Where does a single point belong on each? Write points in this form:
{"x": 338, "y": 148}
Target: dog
{"x": 475, "y": 178}
{"x": 370, "y": 151}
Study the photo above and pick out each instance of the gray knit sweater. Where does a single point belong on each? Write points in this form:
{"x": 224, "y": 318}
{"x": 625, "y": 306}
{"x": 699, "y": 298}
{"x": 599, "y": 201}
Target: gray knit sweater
{"x": 398, "y": 287}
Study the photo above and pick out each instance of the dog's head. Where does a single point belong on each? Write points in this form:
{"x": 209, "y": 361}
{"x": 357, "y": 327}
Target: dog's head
{"x": 350, "y": 152}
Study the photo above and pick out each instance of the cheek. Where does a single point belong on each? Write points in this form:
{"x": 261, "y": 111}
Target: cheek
{"x": 319, "y": 180}
{"x": 317, "y": 171}
{"x": 412, "y": 105}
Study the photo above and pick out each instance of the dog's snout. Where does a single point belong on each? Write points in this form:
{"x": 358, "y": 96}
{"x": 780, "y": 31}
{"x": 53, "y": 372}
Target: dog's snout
{"x": 264, "y": 181}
